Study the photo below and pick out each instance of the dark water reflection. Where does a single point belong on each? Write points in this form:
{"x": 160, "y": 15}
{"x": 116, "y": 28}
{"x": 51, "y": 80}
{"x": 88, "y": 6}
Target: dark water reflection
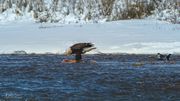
{"x": 112, "y": 78}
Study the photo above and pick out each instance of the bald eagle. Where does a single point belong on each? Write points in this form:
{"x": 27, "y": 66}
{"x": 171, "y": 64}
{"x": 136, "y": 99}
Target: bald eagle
{"x": 78, "y": 49}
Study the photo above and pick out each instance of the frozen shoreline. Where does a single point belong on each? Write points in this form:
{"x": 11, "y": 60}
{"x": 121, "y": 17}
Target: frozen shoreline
{"x": 126, "y": 36}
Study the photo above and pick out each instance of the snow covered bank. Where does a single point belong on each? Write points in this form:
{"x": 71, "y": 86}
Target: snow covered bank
{"x": 127, "y": 36}
{"x": 93, "y": 11}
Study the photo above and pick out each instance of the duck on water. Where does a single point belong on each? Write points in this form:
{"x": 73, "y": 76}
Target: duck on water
{"x": 163, "y": 57}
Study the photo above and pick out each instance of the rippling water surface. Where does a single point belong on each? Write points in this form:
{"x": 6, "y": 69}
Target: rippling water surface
{"x": 112, "y": 78}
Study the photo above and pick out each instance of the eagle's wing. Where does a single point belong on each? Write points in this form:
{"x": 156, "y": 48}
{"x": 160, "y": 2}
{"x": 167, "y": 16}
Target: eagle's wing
{"x": 82, "y": 48}
{"x": 81, "y": 45}
{"x": 88, "y": 49}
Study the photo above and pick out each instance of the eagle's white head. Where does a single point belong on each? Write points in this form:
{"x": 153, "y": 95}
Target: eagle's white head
{"x": 68, "y": 51}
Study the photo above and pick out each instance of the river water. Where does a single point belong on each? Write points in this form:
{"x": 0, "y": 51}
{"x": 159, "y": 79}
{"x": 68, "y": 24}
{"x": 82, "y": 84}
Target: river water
{"x": 112, "y": 78}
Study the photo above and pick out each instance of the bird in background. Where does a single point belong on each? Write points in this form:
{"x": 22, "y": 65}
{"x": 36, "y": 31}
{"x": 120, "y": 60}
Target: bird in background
{"x": 163, "y": 57}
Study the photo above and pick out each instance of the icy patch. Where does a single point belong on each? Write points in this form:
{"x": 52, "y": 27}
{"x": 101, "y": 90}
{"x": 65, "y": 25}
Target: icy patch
{"x": 146, "y": 48}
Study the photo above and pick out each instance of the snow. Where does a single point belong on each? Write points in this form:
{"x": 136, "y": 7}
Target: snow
{"x": 126, "y": 36}
{"x": 84, "y": 11}
{"x": 10, "y": 16}
{"x": 170, "y": 15}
